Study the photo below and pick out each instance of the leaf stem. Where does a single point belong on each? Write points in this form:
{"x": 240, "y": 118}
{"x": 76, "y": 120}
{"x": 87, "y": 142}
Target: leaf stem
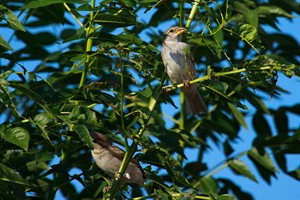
{"x": 69, "y": 10}
{"x": 216, "y": 169}
{"x": 132, "y": 149}
{"x": 207, "y": 77}
{"x": 181, "y": 126}
{"x": 124, "y": 132}
{"x": 181, "y": 18}
{"x": 192, "y": 13}
{"x": 89, "y": 45}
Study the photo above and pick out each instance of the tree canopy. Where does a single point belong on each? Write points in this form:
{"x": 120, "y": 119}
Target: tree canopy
{"x": 70, "y": 66}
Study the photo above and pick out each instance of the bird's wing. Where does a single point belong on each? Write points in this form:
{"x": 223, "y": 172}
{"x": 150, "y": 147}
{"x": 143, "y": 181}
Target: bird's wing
{"x": 119, "y": 153}
{"x": 189, "y": 59}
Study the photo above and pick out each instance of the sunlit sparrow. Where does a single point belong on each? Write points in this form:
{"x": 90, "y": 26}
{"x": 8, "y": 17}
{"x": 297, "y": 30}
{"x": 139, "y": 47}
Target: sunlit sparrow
{"x": 109, "y": 157}
{"x": 180, "y": 67}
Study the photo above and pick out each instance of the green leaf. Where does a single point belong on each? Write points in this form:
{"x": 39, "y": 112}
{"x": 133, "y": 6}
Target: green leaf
{"x": 219, "y": 37}
{"x": 9, "y": 176}
{"x": 42, "y": 3}
{"x": 251, "y": 17}
{"x": 209, "y": 43}
{"x": 33, "y": 95}
{"x": 255, "y": 101}
{"x": 18, "y": 136}
{"x": 84, "y": 133}
{"x": 82, "y": 114}
{"x": 11, "y": 18}
{"x": 13, "y": 22}
{"x": 4, "y": 44}
{"x": 281, "y": 122}
{"x": 41, "y": 120}
{"x": 238, "y": 115}
{"x": 208, "y": 185}
{"x": 241, "y": 168}
{"x": 264, "y": 160}
{"x": 5, "y": 97}
{"x": 248, "y": 33}
{"x": 261, "y": 125}
{"x": 115, "y": 20}
{"x": 225, "y": 197}
{"x": 273, "y": 10}
{"x": 295, "y": 174}
{"x": 220, "y": 89}
{"x": 223, "y": 124}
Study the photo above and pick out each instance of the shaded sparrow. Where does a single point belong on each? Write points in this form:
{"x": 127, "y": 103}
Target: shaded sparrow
{"x": 109, "y": 157}
{"x": 180, "y": 66}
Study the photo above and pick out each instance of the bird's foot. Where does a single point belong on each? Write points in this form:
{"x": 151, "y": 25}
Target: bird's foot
{"x": 186, "y": 83}
{"x": 106, "y": 189}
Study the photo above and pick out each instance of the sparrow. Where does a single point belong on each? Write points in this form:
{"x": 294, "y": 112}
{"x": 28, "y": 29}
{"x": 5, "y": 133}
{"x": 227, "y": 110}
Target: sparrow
{"x": 109, "y": 157}
{"x": 180, "y": 67}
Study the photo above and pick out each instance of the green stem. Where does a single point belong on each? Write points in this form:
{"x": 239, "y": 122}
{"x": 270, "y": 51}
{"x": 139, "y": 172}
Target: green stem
{"x": 69, "y": 10}
{"x": 132, "y": 149}
{"x": 181, "y": 15}
{"x": 181, "y": 126}
{"x": 214, "y": 170}
{"x": 192, "y": 13}
{"x": 207, "y": 77}
{"x": 122, "y": 102}
{"x": 88, "y": 48}
{"x": 89, "y": 45}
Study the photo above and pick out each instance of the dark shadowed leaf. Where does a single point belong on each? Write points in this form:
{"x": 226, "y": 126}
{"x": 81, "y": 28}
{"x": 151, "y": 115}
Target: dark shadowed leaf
{"x": 9, "y": 176}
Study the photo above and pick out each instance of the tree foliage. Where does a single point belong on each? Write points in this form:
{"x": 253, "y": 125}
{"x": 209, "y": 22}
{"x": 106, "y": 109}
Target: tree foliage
{"x": 70, "y": 66}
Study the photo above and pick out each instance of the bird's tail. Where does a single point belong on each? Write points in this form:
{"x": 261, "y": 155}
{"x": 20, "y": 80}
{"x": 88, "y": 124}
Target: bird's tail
{"x": 193, "y": 101}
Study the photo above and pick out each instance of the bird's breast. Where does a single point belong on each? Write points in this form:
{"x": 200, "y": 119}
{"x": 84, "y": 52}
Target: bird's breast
{"x": 175, "y": 62}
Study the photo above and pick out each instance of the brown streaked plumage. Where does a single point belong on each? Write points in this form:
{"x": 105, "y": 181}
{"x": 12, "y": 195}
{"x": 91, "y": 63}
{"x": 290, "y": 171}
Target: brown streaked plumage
{"x": 109, "y": 157}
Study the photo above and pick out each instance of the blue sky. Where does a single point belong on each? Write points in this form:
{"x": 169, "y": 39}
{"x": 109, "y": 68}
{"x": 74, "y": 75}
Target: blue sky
{"x": 282, "y": 188}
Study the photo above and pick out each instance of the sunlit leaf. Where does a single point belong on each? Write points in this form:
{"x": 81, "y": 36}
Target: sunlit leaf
{"x": 83, "y": 132}
{"x": 4, "y": 44}
{"x": 42, "y": 3}
{"x": 115, "y": 20}
{"x": 18, "y": 136}
{"x": 273, "y": 10}
{"x": 242, "y": 169}
{"x": 264, "y": 160}
{"x": 238, "y": 115}
{"x": 208, "y": 185}
{"x": 226, "y": 197}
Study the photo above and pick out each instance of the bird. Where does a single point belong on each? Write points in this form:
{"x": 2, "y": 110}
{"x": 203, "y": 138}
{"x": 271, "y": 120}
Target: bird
{"x": 108, "y": 158}
{"x": 180, "y": 67}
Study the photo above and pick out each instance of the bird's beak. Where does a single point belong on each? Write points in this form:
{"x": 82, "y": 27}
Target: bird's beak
{"x": 179, "y": 31}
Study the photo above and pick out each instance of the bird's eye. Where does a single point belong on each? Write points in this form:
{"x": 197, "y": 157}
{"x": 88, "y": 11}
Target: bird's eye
{"x": 171, "y": 31}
